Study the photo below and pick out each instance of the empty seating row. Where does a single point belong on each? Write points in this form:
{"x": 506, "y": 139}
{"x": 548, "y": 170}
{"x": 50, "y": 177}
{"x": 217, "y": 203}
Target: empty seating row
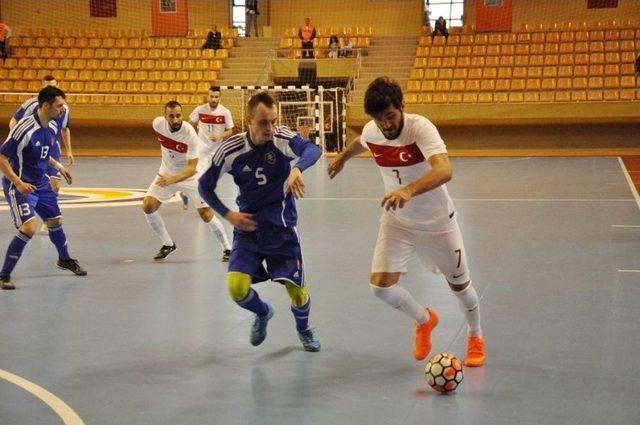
{"x": 529, "y": 49}
{"x": 134, "y": 43}
{"x": 117, "y": 64}
{"x": 108, "y": 87}
{"x": 530, "y": 38}
{"x": 110, "y": 75}
{"x": 522, "y": 72}
{"x": 522, "y": 60}
{"x": 525, "y": 97}
{"x": 112, "y": 32}
{"x": 521, "y": 84}
{"x": 115, "y": 99}
{"x": 90, "y": 53}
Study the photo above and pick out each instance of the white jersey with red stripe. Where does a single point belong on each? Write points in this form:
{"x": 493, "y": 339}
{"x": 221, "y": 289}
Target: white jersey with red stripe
{"x": 178, "y": 147}
{"x": 404, "y": 160}
{"x": 211, "y": 122}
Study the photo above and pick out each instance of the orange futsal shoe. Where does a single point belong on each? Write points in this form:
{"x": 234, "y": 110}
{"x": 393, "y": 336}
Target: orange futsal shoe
{"x": 475, "y": 352}
{"x": 422, "y": 344}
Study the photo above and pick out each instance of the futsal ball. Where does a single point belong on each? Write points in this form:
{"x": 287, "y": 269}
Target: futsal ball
{"x": 444, "y": 372}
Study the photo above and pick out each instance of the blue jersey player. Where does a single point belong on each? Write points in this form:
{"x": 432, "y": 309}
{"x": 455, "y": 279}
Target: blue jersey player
{"x": 64, "y": 133}
{"x": 265, "y": 225}
{"x": 24, "y": 159}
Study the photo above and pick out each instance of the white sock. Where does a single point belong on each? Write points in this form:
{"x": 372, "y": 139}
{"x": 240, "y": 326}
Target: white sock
{"x": 157, "y": 224}
{"x": 400, "y": 299}
{"x": 469, "y": 304}
{"x": 217, "y": 228}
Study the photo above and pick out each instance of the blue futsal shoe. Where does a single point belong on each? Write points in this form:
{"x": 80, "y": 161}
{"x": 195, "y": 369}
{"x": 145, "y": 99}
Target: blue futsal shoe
{"x": 259, "y": 327}
{"x": 309, "y": 340}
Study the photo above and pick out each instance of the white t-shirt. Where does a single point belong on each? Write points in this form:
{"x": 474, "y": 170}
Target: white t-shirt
{"x": 211, "y": 122}
{"x": 177, "y": 147}
{"x": 405, "y": 160}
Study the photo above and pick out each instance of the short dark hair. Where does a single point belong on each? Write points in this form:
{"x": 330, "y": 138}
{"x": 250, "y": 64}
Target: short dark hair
{"x": 49, "y": 94}
{"x": 48, "y": 77}
{"x": 214, "y": 88}
{"x": 258, "y": 98}
{"x": 381, "y": 93}
{"x": 172, "y": 104}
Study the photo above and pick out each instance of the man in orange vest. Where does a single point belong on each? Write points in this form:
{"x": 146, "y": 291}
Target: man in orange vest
{"x": 307, "y": 33}
{"x": 5, "y": 33}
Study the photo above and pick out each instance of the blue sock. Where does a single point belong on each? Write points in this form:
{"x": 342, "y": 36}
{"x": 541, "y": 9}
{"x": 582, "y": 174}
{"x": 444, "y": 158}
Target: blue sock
{"x": 301, "y": 314}
{"x": 13, "y": 253}
{"x": 252, "y": 302}
{"x": 59, "y": 239}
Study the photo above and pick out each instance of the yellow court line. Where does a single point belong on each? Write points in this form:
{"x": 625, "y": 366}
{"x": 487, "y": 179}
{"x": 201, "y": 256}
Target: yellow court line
{"x": 62, "y": 409}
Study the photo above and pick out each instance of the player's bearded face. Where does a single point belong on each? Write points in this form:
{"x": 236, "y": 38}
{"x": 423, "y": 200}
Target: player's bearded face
{"x": 390, "y": 122}
{"x": 214, "y": 99}
{"x": 174, "y": 118}
{"x": 262, "y": 124}
{"x": 54, "y": 110}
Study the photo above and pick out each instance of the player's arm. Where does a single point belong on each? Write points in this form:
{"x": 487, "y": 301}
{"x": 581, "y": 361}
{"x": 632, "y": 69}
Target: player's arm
{"x": 66, "y": 141}
{"x": 308, "y": 154}
{"x": 65, "y": 173}
{"x": 439, "y": 174}
{"x": 354, "y": 148}
{"x": 12, "y": 123}
{"x": 221, "y": 136}
{"x": 6, "y": 169}
{"x": 207, "y": 189}
{"x": 189, "y": 171}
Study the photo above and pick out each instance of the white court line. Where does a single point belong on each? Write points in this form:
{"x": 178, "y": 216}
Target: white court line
{"x": 626, "y": 225}
{"x": 62, "y": 409}
{"x": 631, "y": 185}
{"x": 491, "y": 161}
{"x": 629, "y": 271}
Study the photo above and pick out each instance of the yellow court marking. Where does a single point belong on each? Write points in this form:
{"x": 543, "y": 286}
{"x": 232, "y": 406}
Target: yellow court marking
{"x": 62, "y": 409}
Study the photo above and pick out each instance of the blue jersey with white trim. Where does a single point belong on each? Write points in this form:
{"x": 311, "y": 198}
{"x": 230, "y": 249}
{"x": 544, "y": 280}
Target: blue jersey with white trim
{"x": 28, "y": 148}
{"x": 261, "y": 173}
{"x": 30, "y": 106}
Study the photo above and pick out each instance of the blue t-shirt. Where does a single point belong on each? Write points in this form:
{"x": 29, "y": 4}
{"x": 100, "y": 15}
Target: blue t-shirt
{"x": 28, "y": 148}
{"x": 261, "y": 173}
{"x": 30, "y": 106}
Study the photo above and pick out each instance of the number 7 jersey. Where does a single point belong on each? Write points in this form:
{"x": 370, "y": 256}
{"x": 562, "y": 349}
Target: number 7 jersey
{"x": 404, "y": 160}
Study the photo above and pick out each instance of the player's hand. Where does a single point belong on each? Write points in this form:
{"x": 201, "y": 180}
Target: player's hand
{"x": 66, "y": 174}
{"x": 241, "y": 221}
{"x": 215, "y": 138}
{"x": 24, "y": 188}
{"x": 396, "y": 199}
{"x": 70, "y": 159}
{"x": 295, "y": 184}
{"x": 335, "y": 167}
{"x": 163, "y": 181}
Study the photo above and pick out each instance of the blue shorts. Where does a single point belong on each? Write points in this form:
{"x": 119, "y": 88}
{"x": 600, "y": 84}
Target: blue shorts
{"x": 52, "y": 172}
{"x": 42, "y": 201}
{"x": 278, "y": 247}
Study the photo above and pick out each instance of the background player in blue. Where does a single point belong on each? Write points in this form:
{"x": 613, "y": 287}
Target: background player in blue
{"x": 264, "y": 227}
{"x": 63, "y": 134}
{"x": 24, "y": 159}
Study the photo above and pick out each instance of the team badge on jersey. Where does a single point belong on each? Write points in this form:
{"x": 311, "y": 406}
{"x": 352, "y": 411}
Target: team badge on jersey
{"x": 396, "y": 156}
{"x": 270, "y": 157}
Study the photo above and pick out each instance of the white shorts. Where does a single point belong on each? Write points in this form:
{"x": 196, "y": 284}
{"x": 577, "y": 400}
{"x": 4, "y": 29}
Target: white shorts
{"x": 441, "y": 251}
{"x": 189, "y": 187}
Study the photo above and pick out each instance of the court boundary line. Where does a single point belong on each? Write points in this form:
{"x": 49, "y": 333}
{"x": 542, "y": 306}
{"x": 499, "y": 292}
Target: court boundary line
{"x": 59, "y": 407}
{"x": 632, "y": 185}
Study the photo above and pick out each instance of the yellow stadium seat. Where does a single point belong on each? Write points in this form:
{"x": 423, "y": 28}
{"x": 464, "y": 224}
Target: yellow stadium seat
{"x": 76, "y": 86}
{"x": 579, "y": 83}
{"x": 516, "y": 97}
{"x": 222, "y": 54}
{"x": 611, "y": 95}
{"x": 119, "y": 87}
{"x": 189, "y": 87}
{"x": 458, "y": 85}
{"x": 431, "y": 73}
{"x": 551, "y": 48}
{"x": 533, "y": 84}
{"x": 416, "y": 74}
{"x": 596, "y": 70}
{"x": 70, "y": 75}
{"x": 445, "y": 74}
{"x": 536, "y": 49}
{"x": 479, "y": 51}
{"x": 428, "y": 86}
{"x": 531, "y": 97}
{"x": 490, "y": 73}
{"x": 518, "y": 84}
{"x": 580, "y": 71}
{"x": 611, "y": 82}
{"x": 477, "y": 61}
{"x": 505, "y": 72}
{"x": 466, "y": 40}
{"x": 610, "y": 69}
{"x": 468, "y": 85}
{"x": 460, "y": 73}
{"x": 475, "y": 73}
{"x": 413, "y": 86}
{"x": 443, "y": 85}
{"x": 463, "y": 62}
{"x": 485, "y": 97}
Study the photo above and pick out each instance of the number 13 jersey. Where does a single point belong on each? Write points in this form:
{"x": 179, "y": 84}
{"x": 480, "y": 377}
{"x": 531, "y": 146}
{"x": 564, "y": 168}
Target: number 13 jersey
{"x": 404, "y": 160}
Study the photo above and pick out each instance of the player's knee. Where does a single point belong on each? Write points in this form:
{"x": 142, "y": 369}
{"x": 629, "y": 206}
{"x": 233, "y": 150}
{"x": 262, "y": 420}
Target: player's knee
{"x": 238, "y": 285}
{"x": 28, "y": 228}
{"x": 459, "y": 287}
{"x": 150, "y": 205}
{"x": 205, "y": 214}
{"x": 298, "y": 294}
{"x": 54, "y": 222}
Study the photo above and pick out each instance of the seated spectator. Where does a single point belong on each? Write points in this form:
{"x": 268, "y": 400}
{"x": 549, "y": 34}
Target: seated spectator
{"x": 213, "y": 39}
{"x": 441, "y": 29}
{"x": 638, "y": 65}
{"x": 334, "y": 45}
{"x": 345, "y": 47}
{"x": 5, "y": 33}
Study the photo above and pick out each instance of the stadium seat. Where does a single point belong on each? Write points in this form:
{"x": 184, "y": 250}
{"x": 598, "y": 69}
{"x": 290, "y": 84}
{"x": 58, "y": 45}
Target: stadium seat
{"x": 458, "y": 85}
{"x": 549, "y": 71}
{"x": 549, "y": 84}
{"x": 475, "y": 73}
{"x": 460, "y": 73}
{"x": 413, "y": 86}
{"x": 611, "y": 95}
{"x": 531, "y": 97}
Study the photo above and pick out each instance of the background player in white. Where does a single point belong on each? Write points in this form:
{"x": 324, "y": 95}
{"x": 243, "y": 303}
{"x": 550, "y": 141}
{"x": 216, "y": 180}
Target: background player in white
{"x": 418, "y": 216}
{"x": 177, "y": 172}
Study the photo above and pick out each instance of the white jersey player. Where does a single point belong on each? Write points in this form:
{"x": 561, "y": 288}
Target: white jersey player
{"x": 418, "y": 215}
{"x": 215, "y": 124}
{"x": 179, "y": 145}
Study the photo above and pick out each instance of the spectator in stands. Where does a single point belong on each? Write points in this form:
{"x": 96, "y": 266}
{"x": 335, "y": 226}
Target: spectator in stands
{"x": 213, "y": 39}
{"x": 334, "y": 45}
{"x": 638, "y": 65}
{"x": 441, "y": 29}
{"x": 252, "y": 13}
{"x": 307, "y": 33}
{"x": 345, "y": 47}
{"x": 427, "y": 14}
{"x": 5, "y": 33}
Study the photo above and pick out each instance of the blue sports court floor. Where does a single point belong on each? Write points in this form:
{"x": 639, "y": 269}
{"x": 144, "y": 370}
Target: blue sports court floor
{"x": 554, "y": 249}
